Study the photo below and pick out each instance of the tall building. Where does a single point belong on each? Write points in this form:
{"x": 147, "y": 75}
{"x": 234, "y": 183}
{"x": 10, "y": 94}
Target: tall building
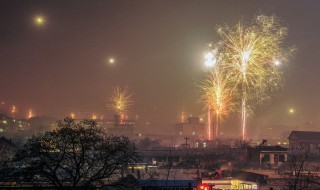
{"x": 193, "y": 127}
{"x": 120, "y": 125}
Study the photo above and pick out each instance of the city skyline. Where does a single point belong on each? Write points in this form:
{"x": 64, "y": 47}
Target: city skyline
{"x": 63, "y": 57}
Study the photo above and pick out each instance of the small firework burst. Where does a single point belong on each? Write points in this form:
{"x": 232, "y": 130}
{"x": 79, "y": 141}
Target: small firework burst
{"x": 120, "y": 101}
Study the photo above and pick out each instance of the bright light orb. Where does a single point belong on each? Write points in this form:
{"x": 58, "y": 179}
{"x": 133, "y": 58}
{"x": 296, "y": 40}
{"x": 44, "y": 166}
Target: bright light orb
{"x": 111, "y": 61}
{"x": 291, "y": 110}
{"x": 72, "y": 115}
{"x": 245, "y": 56}
{"x": 39, "y": 20}
{"x": 277, "y": 62}
{"x": 210, "y": 60}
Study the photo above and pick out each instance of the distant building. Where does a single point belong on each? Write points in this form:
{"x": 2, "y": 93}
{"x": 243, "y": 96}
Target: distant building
{"x": 267, "y": 156}
{"x": 309, "y": 140}
{"x": 42, "y": 124}
{"x": 192, "y": 128}
{"x": 120, "y": 126}
{"x": 10, "y": 126}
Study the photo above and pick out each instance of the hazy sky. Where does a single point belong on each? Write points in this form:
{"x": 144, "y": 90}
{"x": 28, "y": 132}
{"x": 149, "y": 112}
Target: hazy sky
{"x": 158, "y": 45}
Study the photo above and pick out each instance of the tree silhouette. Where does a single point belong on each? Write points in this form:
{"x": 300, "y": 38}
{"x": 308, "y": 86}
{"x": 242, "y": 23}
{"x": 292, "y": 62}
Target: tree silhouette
{"x": 296, "y": 173}
{"x": 77, "y": 154}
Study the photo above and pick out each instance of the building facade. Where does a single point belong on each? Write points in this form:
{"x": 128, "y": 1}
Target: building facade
{"x": 305, "y": 140}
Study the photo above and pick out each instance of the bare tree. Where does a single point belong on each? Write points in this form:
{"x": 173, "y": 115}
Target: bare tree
{"x": 296, "y": 172}
{"x": 77, "y": 154}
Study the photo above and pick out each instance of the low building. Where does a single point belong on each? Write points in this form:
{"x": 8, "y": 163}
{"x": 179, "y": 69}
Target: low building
{"x": 266, "y": 156}
{"x": 308, "y": 140}
{"x": 229, "y": 183}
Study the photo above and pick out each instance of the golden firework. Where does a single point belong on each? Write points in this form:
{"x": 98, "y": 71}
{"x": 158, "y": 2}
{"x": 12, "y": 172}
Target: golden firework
{"x": 217, "y": 96}
{"x": 120, "y": 101}
{"x": 251, "y": 54}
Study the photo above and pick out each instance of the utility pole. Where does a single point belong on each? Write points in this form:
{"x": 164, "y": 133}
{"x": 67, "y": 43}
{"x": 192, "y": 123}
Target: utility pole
{"x": 187, "y": 138}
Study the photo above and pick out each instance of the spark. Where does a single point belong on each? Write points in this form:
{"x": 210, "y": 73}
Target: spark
{"x": 120, "y": 101}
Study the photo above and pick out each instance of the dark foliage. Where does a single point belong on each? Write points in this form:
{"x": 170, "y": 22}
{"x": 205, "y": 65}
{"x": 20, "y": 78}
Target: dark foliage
{"x": 77, "y": 154}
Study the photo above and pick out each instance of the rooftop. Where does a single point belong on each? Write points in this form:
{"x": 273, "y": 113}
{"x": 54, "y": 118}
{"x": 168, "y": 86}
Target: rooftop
{"x": 306, "y": 136}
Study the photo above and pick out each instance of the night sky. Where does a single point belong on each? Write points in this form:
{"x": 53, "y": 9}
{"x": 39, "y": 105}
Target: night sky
{"x": 60, "y": 67}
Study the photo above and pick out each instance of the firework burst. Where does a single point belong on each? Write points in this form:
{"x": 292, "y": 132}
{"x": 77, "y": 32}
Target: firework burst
{"x": 251, "y": 54}
{"x": 120, "y": 101}
{"x": 217, "y": 98}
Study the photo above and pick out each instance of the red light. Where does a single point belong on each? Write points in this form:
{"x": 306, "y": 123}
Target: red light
{"x": 203, "y": 187}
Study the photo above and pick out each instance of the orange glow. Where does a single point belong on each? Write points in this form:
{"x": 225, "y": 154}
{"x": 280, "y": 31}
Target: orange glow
{"x": 30, "y": 114}
{"x": 13, "y": 110}
{"x": 203, "y": 187}
{"x": 72, "y": 115}
{"x": 182, "y": 116}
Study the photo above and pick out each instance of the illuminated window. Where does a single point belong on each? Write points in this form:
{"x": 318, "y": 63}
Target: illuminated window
{"x": 4, "y": 122}
{"x": 204, "y": 145}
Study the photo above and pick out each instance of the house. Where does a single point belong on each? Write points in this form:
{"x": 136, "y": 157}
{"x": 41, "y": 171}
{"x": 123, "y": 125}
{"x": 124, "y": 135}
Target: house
{"x": 309, "y": 140}
{"x": 268, "y": 156}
